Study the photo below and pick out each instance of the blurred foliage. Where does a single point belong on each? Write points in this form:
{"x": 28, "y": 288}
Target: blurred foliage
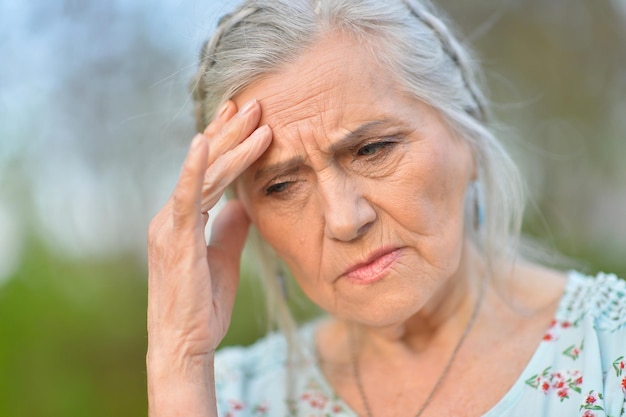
{"x": 72, "y": 337}
{"x": 72, "y": 327}
{"x": 73, "y": 334}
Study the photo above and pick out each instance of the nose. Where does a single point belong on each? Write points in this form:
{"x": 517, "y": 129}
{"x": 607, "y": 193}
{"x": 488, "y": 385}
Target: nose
{"x": 347, "y": 213}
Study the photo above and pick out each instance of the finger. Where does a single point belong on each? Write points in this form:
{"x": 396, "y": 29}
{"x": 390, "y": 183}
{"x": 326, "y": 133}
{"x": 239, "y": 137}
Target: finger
{"x": 186, "y": 199}
{"x": 224, "y": 114}
{"x": 232, "y": 164}
{"x": 235, "y": 130}
{"x": 228, "y": 237}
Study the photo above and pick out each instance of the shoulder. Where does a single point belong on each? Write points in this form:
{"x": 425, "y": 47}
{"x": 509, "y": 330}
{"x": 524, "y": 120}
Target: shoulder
{"x": 578, "y": 369}
{"x": 599, "y": 299}
{"x": 593, "y": 314}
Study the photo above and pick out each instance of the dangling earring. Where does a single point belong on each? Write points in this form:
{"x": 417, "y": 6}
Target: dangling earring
{"x": 479, "y": 213}
{"x": 282, "y": 284}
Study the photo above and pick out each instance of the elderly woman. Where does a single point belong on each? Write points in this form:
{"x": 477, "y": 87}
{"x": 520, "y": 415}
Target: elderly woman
{"x": 354, "y": 137}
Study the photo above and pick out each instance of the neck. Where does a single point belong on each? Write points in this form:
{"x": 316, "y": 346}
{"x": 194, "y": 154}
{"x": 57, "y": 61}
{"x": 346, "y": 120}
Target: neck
{"x": 441, "y": 321}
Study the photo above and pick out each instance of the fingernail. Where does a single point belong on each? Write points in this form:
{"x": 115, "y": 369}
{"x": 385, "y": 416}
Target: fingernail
{"x": 197, "y": 140}
{"x": 248, "y": 107}
{"x": 223, "y": 109}
{"x": 260, "y": 132}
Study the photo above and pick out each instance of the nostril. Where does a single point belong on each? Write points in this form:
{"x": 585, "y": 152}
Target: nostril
{"x": 365, "y": 228}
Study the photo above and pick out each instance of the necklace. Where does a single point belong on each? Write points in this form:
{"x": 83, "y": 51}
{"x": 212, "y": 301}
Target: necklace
{"x": 457, "y": 347}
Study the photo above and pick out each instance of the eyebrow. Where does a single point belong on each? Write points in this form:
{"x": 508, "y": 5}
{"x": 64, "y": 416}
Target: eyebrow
{"x": 348, "y": 142}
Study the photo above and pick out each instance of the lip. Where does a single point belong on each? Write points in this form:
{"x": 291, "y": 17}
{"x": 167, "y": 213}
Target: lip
{"x": 374, "y": 267}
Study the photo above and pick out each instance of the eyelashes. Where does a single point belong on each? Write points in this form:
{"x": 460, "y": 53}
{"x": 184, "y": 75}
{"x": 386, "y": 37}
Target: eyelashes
{"x": 374, "y": 148}
{"x": 364, "y": 159}
{"x": 277, "y": 188}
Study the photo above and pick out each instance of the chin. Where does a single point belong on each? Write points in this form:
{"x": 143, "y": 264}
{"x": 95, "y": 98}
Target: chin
{"x": 386, "y": 311}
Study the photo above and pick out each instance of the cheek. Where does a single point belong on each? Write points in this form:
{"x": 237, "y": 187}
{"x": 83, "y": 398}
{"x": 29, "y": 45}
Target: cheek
{"x": 447, "y": 181}
{"x": 427, "y": 202}
{"x": 453, "y": 175}
{"x": 291, "y": 228}
{"x": 427, "y": 191}
{"x": 298, "y": 246}
{"x": 291, "y": 233}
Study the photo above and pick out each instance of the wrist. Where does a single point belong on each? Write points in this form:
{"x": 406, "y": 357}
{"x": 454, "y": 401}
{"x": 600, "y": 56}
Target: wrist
{"x": 180, "y": 385}
{"x": 176, "y": 364}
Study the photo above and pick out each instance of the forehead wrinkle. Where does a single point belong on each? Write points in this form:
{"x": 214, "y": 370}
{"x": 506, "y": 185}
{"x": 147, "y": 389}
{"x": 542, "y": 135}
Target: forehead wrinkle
{"x": 325, "y": 154}
{"x": 316, "y": 144}
{"x": 309, "y": 104}
{"x": 300, "y": 105}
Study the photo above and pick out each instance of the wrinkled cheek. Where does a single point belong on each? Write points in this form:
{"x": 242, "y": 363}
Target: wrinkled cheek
{"x": 279, "y": 234}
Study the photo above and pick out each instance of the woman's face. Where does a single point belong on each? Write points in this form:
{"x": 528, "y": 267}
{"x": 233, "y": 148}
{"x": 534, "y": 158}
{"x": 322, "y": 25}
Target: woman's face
{"x": 362, "y": 190}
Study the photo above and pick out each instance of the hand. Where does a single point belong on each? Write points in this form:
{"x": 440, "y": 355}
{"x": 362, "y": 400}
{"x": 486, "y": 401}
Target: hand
{"x": 191, "y": 286}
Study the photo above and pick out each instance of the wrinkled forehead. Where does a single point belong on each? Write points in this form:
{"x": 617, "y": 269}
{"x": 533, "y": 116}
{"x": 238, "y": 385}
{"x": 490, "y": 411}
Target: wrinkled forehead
{"x": 329, "y": 81}
{"x": 315, "y": 103}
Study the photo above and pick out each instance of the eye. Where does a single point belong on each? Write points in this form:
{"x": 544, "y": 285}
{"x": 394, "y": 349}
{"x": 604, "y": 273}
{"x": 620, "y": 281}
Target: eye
{"x": 372, "y": 149}
{"x": 277, "y": 188}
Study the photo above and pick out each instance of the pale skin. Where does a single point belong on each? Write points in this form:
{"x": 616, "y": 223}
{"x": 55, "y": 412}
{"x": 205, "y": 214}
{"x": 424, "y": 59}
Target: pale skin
{"x": 345, "y": 170}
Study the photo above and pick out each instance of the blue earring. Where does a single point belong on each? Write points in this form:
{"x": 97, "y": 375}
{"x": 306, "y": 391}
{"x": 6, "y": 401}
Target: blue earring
{"x": 479, "y": 213}
{"x": 282, "y": 284}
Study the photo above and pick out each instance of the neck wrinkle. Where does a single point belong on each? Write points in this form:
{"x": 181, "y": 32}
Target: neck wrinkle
{"x": 441, "y": 321}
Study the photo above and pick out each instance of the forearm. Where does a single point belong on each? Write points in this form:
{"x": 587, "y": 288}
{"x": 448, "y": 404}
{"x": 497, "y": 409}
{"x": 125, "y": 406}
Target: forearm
{"x": 181, "y": 388}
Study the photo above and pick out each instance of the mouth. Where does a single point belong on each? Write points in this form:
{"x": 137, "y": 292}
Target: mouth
{"x": 374, "y": 268}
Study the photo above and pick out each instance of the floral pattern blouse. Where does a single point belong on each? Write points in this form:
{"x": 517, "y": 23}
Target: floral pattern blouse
{"x": 578, "y": 369}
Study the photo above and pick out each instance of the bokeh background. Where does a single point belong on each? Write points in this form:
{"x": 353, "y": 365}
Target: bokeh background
{"x": 95, "y": 117}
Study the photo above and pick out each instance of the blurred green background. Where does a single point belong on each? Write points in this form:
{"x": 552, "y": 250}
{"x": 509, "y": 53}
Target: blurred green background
{"x": 95, "y": 117}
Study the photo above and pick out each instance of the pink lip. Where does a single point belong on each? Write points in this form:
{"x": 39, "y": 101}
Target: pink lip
{"x": 374, "y": 267}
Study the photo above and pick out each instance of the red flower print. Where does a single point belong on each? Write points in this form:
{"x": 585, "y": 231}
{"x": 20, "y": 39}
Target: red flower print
{"x": 573, "y": 351}
{"x": 336, "y": 408}
{"x": 236, "y": 405}
{"x": 590, "y": 399}
{"x": 549, "y": 336}
{"x": 566, "y": 324}
{"x": 591, "y": 404}
{"x": 314, "y": 396}
{"x": 624, "y": 384}
{"x": 559, "y": 382}
{"x": 261, "y": 408}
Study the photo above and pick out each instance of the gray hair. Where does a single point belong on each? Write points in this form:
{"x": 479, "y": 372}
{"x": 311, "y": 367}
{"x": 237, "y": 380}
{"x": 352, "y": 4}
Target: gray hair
{"x": 413, "y": 40}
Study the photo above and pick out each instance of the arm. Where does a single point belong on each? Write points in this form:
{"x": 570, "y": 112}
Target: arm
{"x": 192, "y": 286}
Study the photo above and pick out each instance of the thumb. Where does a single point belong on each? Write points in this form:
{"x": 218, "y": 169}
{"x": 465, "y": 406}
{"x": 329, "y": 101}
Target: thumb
{"x": 230, "y": 228}
{"x": 228, "y": 237}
